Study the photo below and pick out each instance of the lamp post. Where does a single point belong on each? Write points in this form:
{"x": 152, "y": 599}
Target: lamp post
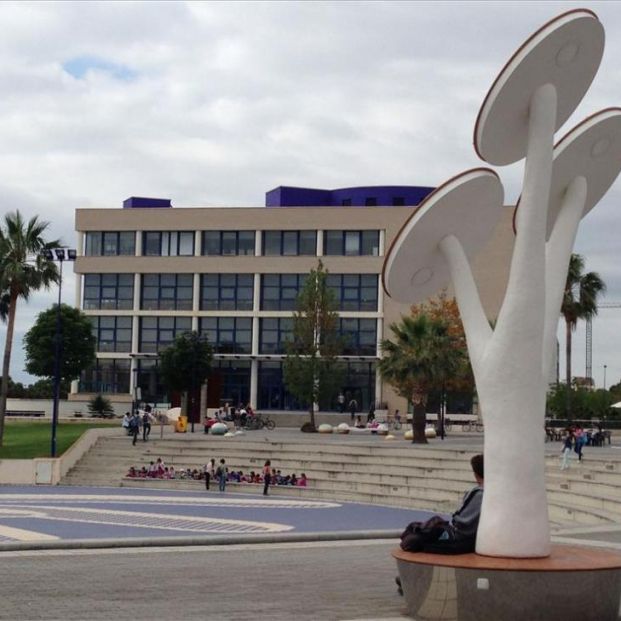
{"x": 61, "y": 255}
{"x": 605, "y": 367}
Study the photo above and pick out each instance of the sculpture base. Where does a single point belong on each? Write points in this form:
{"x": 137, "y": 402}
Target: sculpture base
{"x": 574, "y": 582}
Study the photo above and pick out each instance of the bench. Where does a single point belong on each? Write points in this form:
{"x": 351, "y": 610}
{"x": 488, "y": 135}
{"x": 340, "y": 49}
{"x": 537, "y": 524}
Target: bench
{"x": 472, "y": 587}
{"x": 25, "y": 413}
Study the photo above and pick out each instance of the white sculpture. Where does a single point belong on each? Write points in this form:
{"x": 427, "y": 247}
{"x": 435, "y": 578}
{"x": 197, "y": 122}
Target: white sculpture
{"x": 533, "y": 96}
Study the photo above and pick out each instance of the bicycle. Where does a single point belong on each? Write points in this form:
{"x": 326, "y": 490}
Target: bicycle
{"x": 258, "y": 421}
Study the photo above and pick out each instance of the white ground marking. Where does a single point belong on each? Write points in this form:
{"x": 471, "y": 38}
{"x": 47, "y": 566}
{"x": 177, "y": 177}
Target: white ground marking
{"x": 20, "y": 534}
{"x": 156, "y": 521}
{"x": 293, "y": 545}
{"x": 180, "y": 500}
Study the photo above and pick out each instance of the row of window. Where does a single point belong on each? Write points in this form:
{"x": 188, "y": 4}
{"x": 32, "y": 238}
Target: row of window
{"x": 227, "y": 335}
{"x": 232, "y": 243}
{"x": 352, "y": 292}
{"x": 229, "y": 380}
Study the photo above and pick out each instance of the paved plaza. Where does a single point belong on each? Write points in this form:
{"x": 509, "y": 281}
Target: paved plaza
{"x": 69, "y": 514}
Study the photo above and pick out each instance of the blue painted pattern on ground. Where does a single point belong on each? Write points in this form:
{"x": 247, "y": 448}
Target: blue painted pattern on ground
{"x": 95, "y": 513}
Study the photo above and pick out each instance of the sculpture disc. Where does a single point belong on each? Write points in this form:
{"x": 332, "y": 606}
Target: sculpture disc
{"x": 592, "y": 150}
{"x": 566, "y": 52}
{"x": 467, "y": 206}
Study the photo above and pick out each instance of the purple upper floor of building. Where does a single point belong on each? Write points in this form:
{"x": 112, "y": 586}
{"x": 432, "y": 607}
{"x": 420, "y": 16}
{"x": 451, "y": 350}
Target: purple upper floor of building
{"x": 363, "y": 196}
{"x": 139, "y": 202}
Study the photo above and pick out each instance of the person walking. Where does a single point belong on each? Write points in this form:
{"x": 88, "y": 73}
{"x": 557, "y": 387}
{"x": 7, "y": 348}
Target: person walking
{"x": 210, "y": 472}
{"x": 568, "y": 443}
{"x": 267, "y": 476}
{"x": 341, "y": 401}
{"x": 134, "y": 427}
{"x": 580, "y": 439}
{"x": 353, "y": 408}
{"x": 147, "y": 417}
{"x": 222, "y": 472}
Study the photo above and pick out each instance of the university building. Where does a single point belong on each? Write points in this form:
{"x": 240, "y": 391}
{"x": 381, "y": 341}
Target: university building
{"x": 149, "y": 272}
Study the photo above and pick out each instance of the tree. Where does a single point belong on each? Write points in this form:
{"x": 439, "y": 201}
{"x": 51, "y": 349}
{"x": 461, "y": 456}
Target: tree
{"x": 579, "y": 302}
{"x": 311, "y": 370}
{"x": 100, "y": 406}
{"x": 22, "y": 270}
{"x": 185, "y": 365}
{"x": 420, "y": 359}
{"x": 77, "y": 345}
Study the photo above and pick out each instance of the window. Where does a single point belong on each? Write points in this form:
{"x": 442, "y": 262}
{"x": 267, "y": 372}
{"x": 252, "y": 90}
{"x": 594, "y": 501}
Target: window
{"x": 228, "y": 243}
{"x": 351, "y": 243}
{"x": 280, "y": 291}
{"x": 275, "y": 331}
{"x": 150, "y": 381}
{"x": 112, "y": 333}
{"x": 168, "y": 243}
{"x": 167, "y": 291}
{"x": 360, "y": 336}
{"x": 110, "y": 243}
{"x": 370, "y": 201}
{"x": 233, "y": 379}
{"x": 289, "y": 243}
{"x": 354, "y": 292}
{"x": 272, "y": 393}
{"x": 227, "y": 291}
{"x": 108, "y": 291}
{"x": 157, "y": 333}
{"x": 106, "y": 376}
{"x": 228, "y": 335}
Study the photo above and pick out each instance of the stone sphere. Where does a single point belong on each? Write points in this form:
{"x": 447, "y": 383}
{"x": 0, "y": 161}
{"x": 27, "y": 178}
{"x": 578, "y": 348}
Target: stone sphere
{"x": 218, "y": 429}
{"x": 430, "y": 432}
{"x": 382, "y": 430}
{"x": 229, "y": 434}
{"x": 239, "y": 432}
{"x": 325, "y": 428}
{"x": 343, "y": 428}
{"x": 408, "y": 435}
{"x": 389, "y": 437}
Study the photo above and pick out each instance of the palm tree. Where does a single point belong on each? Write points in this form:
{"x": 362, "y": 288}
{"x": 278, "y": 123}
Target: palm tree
{"x": 22, "y": 270}
{"x": 422, "y": 357}
{"x": 579, "y": 302}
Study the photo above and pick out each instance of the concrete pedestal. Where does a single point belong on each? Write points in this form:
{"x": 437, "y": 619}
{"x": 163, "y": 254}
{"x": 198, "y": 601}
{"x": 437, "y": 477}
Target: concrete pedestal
{"x": 574, "y": 582}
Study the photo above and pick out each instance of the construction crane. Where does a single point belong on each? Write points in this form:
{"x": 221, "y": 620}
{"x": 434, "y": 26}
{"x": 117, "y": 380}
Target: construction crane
{"x": 589, "y": 337}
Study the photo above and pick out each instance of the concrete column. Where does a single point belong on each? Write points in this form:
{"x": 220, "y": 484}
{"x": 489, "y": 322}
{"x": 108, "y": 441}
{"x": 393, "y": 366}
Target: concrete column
{"x": 382, "y": 242}
{"x": 254, "y": 383}
{"x": 320, "y": 243}
{"x": 196, "y": 294}
{"x": 257, "y": 243}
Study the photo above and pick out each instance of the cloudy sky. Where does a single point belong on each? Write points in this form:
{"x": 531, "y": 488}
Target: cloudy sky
{"x": 214, "y": 103}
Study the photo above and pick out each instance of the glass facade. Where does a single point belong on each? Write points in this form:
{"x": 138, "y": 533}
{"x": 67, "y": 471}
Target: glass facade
{"x": 106, "y": 376}
{"x": 359, "y": 336}
{"x": 168, "y": 243}
{"x": 274, "y": 332}
{"x": 289, "y": 243}
{"x": 228, "y": 335}
{"x": 167, "y": 292}
{"x": 358, "y": 383}
{"x": 227, "y": 291}
{"x": 351, "y": 243}
{"x": 280, "y": 291}
{"x": 272, "y": 394}
{"x": 157, "y": 333}
{"x": 112, "y": 333}
{"x": 228, "y": 243}
{"x": 108, "y": 291}
{"x": 230, "y": 380}
{"x": 148, "y": 379}
{"x": 354, "y": 292}
{"x": 110, "y": 243}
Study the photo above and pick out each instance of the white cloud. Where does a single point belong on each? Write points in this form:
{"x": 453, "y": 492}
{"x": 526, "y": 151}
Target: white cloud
{"x": 228, "y": 100}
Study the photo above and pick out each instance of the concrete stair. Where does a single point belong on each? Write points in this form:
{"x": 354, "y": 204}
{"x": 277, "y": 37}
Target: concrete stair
{"x": 397, "y": 474}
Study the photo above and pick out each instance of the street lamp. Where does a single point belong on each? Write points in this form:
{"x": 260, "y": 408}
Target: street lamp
{"x": 605, "y": 367}
{"x": 61, "y": 255}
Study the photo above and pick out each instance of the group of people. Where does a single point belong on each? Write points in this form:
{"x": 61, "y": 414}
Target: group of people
{"x": 140, "y": 419}
{"x": 228, "y": 413}
{"x": 268, "y": 476}
{"x": 156, "y": 470}
{"x": 575, "y": 439}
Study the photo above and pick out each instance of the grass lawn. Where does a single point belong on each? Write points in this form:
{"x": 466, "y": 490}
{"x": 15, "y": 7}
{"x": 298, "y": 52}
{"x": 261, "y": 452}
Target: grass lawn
{"x": 24, "y": 440}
